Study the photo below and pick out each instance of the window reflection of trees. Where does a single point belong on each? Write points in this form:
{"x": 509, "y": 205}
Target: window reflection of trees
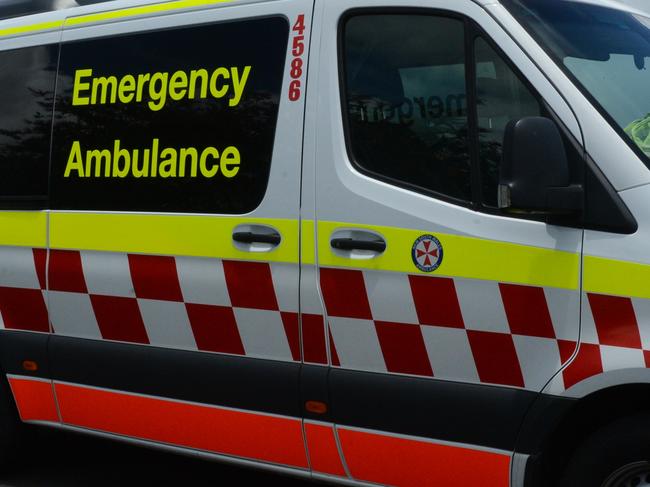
{"x": 26, "y": 99}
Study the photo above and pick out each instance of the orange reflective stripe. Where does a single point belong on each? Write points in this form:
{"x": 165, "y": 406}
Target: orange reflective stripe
{"x": 323, "y": 452}
{"x": 34, "y": 399}
{"x": 411, "y": 463}
{"x": 268, "y": 438}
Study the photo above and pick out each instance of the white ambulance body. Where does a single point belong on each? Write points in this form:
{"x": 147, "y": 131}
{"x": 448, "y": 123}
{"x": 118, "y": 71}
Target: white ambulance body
{"x": 389, "y": 242}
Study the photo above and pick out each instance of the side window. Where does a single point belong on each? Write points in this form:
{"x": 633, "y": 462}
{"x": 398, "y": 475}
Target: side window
{"x": 501, "y": 97}
{"x": 27, "y": 78}
{"x": 406, "y": 103}
{"x": 179, "y": 120}
{"x": 414, "y": 118}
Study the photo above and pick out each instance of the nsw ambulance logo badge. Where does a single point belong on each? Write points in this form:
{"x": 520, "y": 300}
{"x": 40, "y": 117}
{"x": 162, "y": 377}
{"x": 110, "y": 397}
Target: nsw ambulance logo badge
{"x": 427, "y": 253}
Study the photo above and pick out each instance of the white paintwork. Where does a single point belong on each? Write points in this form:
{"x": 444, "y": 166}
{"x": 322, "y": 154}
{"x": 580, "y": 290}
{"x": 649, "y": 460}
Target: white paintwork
{"x": 107, "y": 274}
{"x": 203, "y": 281}
{"x": 72, "y": 314}
{"x": 285, "y": 283}
{"x": 167, "y": 324}
{"x": 358, "y": 346}
{"x": 481, "y": 304}
{"x": 561, "y": 305}
{"x": 380, "y": 287}
{"x": 642, "y": 312}
{"x": 539, "y": 358}
{"x": 262, "y": 333}
{"x": 17, "y": 268}
{"x": 450, "y": 353}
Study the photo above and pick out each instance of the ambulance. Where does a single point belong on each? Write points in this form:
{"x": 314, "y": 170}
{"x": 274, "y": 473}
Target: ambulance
{"x": 367, "y": 242}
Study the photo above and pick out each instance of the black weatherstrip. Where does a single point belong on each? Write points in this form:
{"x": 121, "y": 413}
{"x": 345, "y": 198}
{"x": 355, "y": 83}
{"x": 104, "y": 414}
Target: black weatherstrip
{"x": 475, "y": 414}
{"x": 239, "y": 382}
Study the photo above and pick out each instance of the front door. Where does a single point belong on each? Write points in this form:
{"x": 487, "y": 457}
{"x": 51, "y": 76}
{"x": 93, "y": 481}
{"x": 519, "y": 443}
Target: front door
{"x": 445, "y": 316}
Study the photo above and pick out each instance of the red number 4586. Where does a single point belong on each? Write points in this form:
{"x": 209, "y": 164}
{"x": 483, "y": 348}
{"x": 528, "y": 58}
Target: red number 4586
{"x": 297, "y": 51}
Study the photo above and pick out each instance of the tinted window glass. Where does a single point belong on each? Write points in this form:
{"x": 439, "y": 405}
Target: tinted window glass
{"x": 179, "y": 120}
{"x": 502, "y": 97}
{"x": 27, "y": 79}
{"x": 406, "y": 101}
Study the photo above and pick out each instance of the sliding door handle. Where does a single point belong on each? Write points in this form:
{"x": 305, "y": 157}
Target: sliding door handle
{"x": 252, "y": 238}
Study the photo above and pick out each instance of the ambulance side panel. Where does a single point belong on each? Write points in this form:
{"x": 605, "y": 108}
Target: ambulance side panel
{"x": 172, "y": 275}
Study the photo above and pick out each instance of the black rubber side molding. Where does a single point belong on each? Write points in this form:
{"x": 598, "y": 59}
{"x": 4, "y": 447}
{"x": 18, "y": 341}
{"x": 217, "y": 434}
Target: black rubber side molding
{"x": 313, "y": 387}
{"x": 475, "y": 414}
{"x": 18, "y": 346}
{"x": 208, "y": 378}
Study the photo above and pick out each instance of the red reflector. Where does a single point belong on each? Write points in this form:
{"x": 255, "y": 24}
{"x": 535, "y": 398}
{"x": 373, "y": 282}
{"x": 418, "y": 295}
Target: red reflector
{"x": 316, "y": 407}
{"x": 30, "y": 365}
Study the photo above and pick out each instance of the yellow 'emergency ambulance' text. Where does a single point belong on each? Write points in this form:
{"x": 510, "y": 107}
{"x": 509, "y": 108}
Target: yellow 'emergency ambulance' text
{"x": 165, "y": 162}
{"x": 157, "y": 88}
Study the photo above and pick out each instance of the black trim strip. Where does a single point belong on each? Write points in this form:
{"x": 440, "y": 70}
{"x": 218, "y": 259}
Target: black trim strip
{"x": 475, "y": 414}
{"x": 313, "y": 387}
{"x": 605, "y": 211}
{"x": 17, "y": 346}
{"x": 254, "y": 384}
{"x": 473, "y": 136}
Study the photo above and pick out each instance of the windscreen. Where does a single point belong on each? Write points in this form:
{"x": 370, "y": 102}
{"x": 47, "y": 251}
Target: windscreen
{"x": 606, "y": 51}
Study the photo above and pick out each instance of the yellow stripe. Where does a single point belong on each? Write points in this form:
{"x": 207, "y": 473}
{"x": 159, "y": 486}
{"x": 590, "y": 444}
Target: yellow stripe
{"x": 606, "y": 276}
{"x": 307, "y": 243}
{"x": 26, "y": 29}
{"x": 198, "y": 236}
{"x": 211, "y": 236}
{"x": 143, "y": 10}
{"x": 23, "y": 228}
{"x": 463, "y": 257}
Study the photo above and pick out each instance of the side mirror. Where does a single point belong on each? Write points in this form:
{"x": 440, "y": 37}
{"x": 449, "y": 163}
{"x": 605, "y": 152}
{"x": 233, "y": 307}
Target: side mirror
{"x": 534, "y": 174}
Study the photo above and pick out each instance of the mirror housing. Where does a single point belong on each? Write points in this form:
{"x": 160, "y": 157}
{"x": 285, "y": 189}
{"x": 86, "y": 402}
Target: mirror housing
{"x": 534, "y": 175}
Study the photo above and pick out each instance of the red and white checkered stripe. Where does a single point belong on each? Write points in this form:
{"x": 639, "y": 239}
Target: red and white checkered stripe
{"x": 615, "y": 334}
{"x": 242, "y": 308}
{"x": 479, "y": 331}
{"x": 456, "y": 329}
{"x": 22, "y": 289}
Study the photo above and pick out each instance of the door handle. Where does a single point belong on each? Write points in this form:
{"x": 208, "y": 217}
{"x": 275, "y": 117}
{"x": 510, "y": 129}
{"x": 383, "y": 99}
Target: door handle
{"x": 348, "y": 244}
{"x": 252, "y": 237}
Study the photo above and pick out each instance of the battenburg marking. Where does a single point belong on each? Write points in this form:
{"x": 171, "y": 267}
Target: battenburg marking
{"x": 427, "y": 253}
